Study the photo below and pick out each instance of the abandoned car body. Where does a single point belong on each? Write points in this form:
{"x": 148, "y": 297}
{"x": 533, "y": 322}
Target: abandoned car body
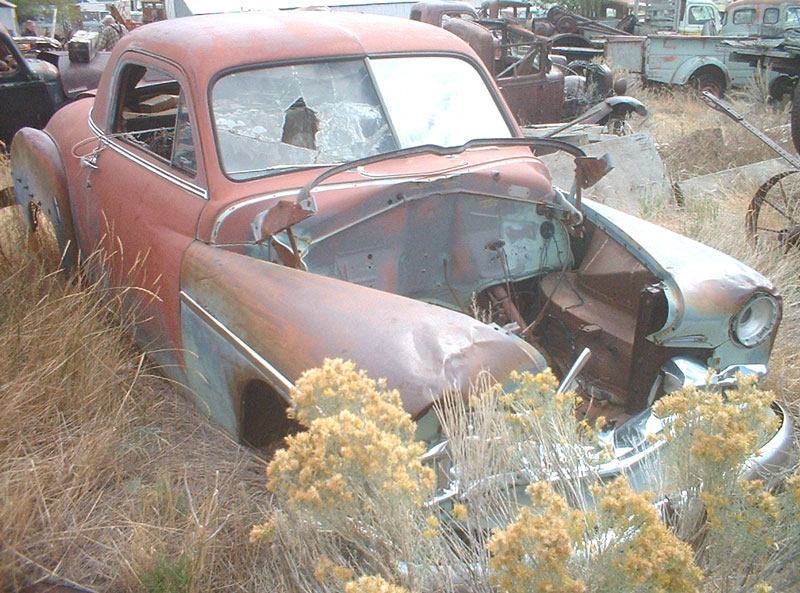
{"x": 324, "y": 195}
{"x": 537, "y": 86}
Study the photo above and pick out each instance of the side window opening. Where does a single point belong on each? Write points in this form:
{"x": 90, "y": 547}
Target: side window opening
{"x": 8, "y": 63}
{"x": 745, "y": 16}
{"x": 700, "y": 14}
{"x": 770, "y": 16}
{"x": 153, "y": 115}
{"x": 183, "y": 155}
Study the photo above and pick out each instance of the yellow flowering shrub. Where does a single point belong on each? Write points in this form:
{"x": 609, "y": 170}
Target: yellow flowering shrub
{"x": 326, "y": 570}
{"x": 459, "y": 512}
{"x": 719, "y": 431}
{"x": 622, "y": 545}
{"x": 532, "y": 554}
{"x": 731, "y": 521}
{"x": 544, "y": 434}
{"x": 373, "y": 584}
{"x": 640, "y": 552}
{"x": 337, "y": 386}
{"x": 342, "y": 461}
{"x": 262, "y": 533}
{"x": 353, "y": 486}
{"x": 354, "y": 476}
{"x": 535, "y": 394}
{"x": 350, "y": 453}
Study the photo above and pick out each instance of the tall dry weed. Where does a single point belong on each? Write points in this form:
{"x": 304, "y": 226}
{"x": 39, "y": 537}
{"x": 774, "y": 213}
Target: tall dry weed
{"x": 560, "y": 527}
{"x": 107, "y": 479}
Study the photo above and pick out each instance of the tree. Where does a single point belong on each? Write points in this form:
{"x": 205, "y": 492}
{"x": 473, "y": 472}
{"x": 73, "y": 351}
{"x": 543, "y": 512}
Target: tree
{"x": 34, "y": 9}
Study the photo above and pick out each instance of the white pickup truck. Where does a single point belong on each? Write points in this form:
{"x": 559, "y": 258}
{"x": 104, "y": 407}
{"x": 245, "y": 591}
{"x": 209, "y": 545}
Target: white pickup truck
{"x": 704, "y": 61}
{"x": 686, "y": 17}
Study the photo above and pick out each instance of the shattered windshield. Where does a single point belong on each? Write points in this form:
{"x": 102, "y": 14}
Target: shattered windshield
{"x": 316, "y": 114}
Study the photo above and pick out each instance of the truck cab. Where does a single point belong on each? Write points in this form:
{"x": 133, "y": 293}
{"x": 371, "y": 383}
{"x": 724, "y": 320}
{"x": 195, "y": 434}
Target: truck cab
{"x": 686, "y": 17}
{"x": 765, "y": 18}
{"x": 517, "y": 57}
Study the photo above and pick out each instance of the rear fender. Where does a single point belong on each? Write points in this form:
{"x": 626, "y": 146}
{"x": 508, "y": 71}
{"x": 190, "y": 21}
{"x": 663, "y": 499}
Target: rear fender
{"x": 688, "y": 68}
{"x": 40, "y": 186}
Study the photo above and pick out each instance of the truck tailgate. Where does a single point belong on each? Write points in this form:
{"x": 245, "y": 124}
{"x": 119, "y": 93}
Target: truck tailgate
{"x": 625, "y": 52}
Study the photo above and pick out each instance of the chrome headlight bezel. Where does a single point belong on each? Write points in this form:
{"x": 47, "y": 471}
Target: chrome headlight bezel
{"x": 756, "y": 321}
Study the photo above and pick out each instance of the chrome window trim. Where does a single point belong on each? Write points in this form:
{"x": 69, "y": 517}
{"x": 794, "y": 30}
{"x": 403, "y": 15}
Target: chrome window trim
{"x": 105, "y": 139}
{"x": 279, "y": 381}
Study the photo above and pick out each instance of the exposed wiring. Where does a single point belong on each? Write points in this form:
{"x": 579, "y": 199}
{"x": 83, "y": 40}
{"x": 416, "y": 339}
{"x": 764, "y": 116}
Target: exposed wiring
{"x": 450, "y": 286}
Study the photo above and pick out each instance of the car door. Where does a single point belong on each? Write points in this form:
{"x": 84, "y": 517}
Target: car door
{"x": 144, "y": 196}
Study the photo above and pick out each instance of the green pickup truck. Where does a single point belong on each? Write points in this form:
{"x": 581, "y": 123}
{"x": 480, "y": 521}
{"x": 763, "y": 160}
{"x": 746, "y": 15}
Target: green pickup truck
{"x": 707, "y": 61}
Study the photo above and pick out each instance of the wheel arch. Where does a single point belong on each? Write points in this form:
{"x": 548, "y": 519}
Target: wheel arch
{"x": 570, "y": 40}
{"x": 699, "y": 66}
{"x": 263, "y": 415}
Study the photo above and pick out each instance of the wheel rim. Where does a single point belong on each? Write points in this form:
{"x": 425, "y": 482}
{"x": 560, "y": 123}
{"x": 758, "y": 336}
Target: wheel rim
{"x": 712, "y": 86}
{"x": 774, "y": 212}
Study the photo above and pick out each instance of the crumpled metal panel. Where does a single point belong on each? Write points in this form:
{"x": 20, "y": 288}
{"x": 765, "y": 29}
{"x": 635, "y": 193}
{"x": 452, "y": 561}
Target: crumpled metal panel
{"x": 704, "y": 287}
{"x": 294, "y": 320}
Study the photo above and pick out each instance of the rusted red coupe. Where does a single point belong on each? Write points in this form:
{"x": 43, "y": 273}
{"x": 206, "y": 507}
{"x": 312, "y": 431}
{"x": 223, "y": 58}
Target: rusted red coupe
{"x": 295, "y": 186}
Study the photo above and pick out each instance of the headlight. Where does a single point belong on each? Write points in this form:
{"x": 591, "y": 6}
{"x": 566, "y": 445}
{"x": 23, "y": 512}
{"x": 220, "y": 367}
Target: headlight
{"x": 755, "y": 321}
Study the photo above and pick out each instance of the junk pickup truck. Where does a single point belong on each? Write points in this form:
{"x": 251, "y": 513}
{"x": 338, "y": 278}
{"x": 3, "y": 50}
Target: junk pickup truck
{"x": 337, "y": 185}
{"x": 35, "y": 83}
{"x": 705, "y": 61}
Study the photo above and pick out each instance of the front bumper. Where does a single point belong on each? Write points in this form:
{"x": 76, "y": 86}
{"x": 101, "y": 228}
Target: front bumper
{"x": 635, "y": 448}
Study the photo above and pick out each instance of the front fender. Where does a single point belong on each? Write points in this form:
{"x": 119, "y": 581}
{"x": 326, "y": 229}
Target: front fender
{"x": 685, "y": 71}
{"x": 704, "y": 287}
{"x": 276, "y": 322}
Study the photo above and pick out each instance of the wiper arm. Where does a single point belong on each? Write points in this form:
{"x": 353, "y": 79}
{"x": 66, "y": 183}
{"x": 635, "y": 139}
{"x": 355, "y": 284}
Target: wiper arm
{"x": 280, "y": 167}
{"x": 305, "y": 192}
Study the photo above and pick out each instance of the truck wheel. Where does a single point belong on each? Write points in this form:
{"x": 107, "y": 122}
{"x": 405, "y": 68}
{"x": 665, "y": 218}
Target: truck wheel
{"x": 795, "y": 118}
{"x": 40, "y": 189}
{"x": 707, "y": 81}
{"x": 781, "y": 87}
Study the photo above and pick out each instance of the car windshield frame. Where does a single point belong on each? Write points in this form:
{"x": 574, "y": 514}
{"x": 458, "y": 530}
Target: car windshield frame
{"x": 503, "y": 123}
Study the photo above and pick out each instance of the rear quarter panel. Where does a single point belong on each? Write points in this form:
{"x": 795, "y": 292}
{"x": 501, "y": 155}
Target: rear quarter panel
{"x": 672, "y": 59}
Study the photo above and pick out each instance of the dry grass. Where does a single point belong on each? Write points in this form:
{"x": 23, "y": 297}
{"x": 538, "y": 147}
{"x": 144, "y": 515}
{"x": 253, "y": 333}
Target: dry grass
{"x": 107, "y": 481}
{"x": 694, "y": 140}
{"x": 6, "y": 183}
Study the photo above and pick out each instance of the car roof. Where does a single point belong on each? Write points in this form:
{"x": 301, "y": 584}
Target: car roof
{"x": 203, "y": 46}
{"x": 227, "y": 40}
{"x": 763, "y": 3}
